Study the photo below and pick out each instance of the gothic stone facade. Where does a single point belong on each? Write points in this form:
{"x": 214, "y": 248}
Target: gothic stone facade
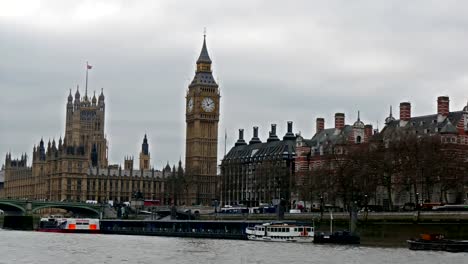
{"x": 75, "y": 168}
{"x": 202, "y": 116}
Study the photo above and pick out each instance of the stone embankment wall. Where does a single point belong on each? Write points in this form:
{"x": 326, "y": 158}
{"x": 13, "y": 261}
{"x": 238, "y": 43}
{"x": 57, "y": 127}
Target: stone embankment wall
{"x": 378, "y": 229}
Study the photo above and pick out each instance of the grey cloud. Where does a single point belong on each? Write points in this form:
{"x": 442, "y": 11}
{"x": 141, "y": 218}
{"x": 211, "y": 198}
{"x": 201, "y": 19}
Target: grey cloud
{"x": 274, "y": 62}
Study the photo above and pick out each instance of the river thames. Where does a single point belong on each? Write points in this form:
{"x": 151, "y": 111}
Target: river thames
{"x": 37, "y": 247}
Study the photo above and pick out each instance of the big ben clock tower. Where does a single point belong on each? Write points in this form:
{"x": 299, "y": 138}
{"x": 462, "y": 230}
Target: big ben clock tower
{"x": 201, "y": 148}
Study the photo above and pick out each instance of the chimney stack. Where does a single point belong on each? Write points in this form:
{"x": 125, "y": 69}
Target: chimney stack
{"x": 339, "y": 120}
{"x": 443, "y": 106}
{"x": 241, "y": 140}
{"x": 405, "y": 111}
{"x": 273, "y": 136}
{"x": 289, "y": 135}
{"x": 319, "y": 124}
{"x": 255, "y": 138}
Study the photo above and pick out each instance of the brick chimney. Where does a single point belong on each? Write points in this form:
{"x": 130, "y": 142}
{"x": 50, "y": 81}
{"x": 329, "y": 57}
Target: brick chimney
{"x": 339, "y": 120}
{"x": 319, "y": 124}
{"x": 405, "y": 111}
{"x": 442, "y": 108}
{"x": 368, "y": 131}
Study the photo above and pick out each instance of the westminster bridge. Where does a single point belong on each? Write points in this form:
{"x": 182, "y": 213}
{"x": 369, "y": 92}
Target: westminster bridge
{"x": 30, "y": 207}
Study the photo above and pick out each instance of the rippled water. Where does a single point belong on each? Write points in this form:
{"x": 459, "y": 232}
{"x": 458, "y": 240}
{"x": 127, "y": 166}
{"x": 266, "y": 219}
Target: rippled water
{"x": 37, "y": 247}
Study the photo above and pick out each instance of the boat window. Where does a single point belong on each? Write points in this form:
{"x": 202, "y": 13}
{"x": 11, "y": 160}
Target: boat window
{"x": 295, "y": 229}
{"x": 300, "y": 229}
{"x": 309, "y": 229}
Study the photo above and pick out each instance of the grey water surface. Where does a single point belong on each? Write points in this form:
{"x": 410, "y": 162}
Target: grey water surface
{"x": 38, "y": 247}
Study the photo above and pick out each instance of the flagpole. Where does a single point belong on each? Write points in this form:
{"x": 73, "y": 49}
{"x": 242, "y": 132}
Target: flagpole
{"x": 86, "y": 89}
{"x": 225, "y": 139}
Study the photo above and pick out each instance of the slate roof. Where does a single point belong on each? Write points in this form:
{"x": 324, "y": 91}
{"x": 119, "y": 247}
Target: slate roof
{"x": 331, "y": 135}
{"x": 261, "y": 151}
{"x": 204, "y": 57}
{"x": 204, "y": 78}
{"x": 427, "y": 124}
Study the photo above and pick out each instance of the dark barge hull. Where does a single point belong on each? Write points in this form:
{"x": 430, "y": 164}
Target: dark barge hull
{"x": 176, "y": 234}
{"x": 59, "y": 230}
{"x": 179, "y": 228}
{"x": 439, "y": 245}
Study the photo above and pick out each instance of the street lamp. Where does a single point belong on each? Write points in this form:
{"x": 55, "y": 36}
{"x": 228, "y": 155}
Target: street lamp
{"x": 365, "y": 203}
{"x": 321, "y": 207}
{"x": 417, "y": 201}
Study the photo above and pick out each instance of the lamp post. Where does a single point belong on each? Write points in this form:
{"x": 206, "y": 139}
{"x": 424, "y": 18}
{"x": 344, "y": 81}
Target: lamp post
{"x": 365, "y": 205}
{"x": 321, "y": 208}
{"x": 417, "y": 201}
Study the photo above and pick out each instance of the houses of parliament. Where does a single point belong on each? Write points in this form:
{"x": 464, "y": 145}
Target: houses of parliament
{"x": 76, "y": 168}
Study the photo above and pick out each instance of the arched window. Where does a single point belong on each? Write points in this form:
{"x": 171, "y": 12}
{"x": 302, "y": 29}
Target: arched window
{"x": 358, "y": 139}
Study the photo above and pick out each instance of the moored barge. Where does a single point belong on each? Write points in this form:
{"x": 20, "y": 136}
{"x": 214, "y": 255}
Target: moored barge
{"x": 437, "y": 242}
{"x": 69, "y": 225}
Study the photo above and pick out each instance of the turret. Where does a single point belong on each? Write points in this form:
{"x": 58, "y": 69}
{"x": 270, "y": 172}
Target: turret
{"x": 77, "y": 94}
{"x": 94, "y": 100}
{"x": 358, "y": 124}
{"x": 144, "y": 146}
{"x": 390, "y": 117}
{"x": 128, "y": 163}
{"x": 144, "y": 155}
{"x": 70, "y": 98}
{"x": 101, "y": 97}
{"x": 77, "y": 98}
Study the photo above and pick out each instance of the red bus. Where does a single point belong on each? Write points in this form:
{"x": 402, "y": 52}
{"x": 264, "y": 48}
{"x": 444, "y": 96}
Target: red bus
{"x": 149, "y": 203}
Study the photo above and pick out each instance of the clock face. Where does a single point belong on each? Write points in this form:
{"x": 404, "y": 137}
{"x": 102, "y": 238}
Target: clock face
{"x": 190, "y": 105}
{"x": 208, "y": 104}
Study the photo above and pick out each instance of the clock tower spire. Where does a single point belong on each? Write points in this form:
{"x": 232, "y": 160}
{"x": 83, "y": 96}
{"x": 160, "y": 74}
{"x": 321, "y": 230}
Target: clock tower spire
{"x": 201, "y": 148}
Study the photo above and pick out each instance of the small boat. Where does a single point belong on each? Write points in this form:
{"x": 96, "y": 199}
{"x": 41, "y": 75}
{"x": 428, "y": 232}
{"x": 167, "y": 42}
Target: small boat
{"x": 69, "y": 225}
{"x": 338, "y": 237}
{"x": 281, "y": 232}
{"x": 437, "y": 242}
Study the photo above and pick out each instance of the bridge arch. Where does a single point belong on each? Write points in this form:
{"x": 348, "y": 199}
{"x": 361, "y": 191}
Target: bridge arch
{"x": 7, "y": 206}
{"x": 72, "y": 208}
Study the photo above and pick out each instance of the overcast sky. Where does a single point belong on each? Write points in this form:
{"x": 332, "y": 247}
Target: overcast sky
{"x": 274, "y": 61}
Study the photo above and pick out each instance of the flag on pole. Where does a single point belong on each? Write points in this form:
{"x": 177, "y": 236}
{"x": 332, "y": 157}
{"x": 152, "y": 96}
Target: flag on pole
{"x": 89, "y": 66}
